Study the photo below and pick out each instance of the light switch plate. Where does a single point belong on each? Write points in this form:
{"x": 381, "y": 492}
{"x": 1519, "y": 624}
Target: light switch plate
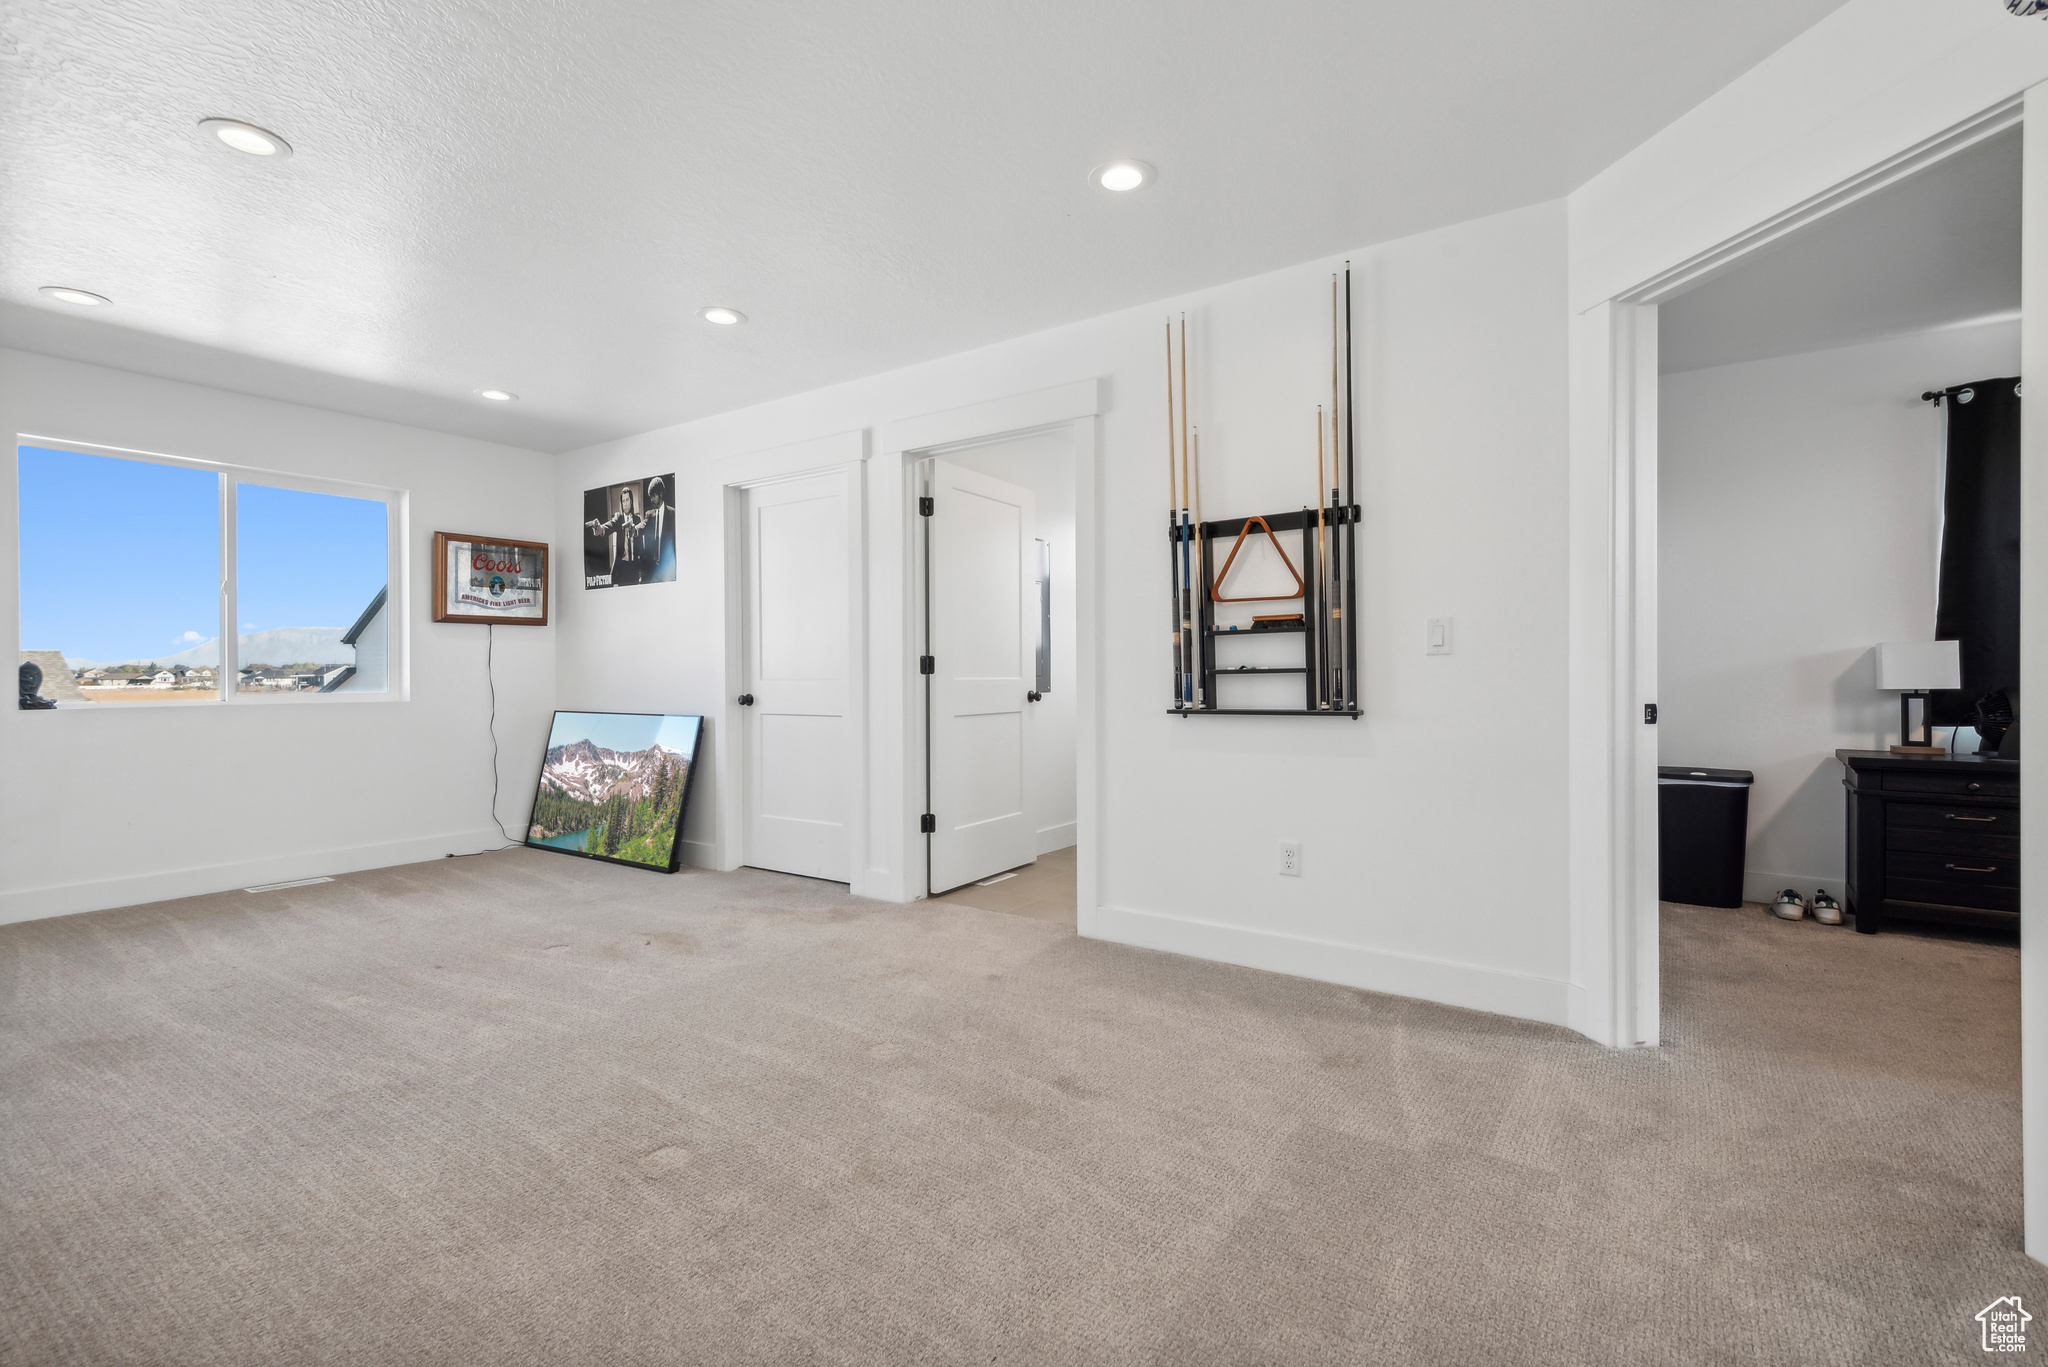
{"x": 1290, "y": 858}
{"x": 1437, "y": 637}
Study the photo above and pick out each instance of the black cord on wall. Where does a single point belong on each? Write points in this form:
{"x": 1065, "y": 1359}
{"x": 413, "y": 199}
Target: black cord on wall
{"x": 491, "y": 675}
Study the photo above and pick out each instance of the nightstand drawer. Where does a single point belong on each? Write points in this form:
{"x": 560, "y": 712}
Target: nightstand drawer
{"x": 1932, "y": 816}
{"x": 1962, "y": 870}
{"x": 1953, "y": 785}
{"x": 1933, "y": 894}
{"x": 1990, "y": 833}
{"x": 1974, "y": 848}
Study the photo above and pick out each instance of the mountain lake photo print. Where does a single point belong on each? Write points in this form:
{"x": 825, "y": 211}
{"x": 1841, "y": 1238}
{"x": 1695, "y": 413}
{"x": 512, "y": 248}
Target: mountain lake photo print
{"x": 614, "y": 786}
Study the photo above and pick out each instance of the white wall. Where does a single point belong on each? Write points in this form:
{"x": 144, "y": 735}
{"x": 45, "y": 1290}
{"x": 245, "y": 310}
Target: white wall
{"x": 1433, "y": 831}
{"x": 117, "y": 805}
{"x": 1044, "y": 464}
{"x": 1800, "y": 511}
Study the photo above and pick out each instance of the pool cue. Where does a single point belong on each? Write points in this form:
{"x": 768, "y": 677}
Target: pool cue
{"x": 1186, "y": 574}
{"x": 1322, "y": 575}
{"x": 1201, "y": 578}
{"x": 1172, "y": 499}
{"x": 1350, "y": 501}
{"x": 1338, "y": 682}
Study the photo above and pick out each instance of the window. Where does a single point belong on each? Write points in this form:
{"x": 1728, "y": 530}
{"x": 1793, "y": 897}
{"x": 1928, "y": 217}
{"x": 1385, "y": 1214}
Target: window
{"x": 136, "y": 568}
{"x": 304, "y": 559}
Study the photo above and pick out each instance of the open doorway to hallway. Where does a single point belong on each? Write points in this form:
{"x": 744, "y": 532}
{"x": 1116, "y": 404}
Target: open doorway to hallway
{"x": 1039, "y": 878}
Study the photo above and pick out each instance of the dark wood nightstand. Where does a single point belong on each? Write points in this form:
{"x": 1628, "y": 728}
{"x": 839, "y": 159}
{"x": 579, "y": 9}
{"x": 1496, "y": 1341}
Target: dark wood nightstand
{"x": 1932, "y": 838}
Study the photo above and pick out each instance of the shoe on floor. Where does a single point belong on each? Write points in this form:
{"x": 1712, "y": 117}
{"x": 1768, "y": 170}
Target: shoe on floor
{"x": 1826, "y": 909}
{"x": 1790, "y": 905}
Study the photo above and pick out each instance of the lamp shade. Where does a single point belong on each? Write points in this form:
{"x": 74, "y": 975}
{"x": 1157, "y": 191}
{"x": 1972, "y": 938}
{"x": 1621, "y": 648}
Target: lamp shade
{"x": 1919, "y": 666}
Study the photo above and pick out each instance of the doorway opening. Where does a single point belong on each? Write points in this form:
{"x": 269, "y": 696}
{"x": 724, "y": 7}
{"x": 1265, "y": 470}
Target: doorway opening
{"x": 1837, "y": 534}
{"x": 999, "y": 681}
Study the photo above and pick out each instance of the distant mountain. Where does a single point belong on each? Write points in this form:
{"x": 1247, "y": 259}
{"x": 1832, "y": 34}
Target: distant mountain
{"x": 278, "y": 646}
{"x": 592, "y": 773}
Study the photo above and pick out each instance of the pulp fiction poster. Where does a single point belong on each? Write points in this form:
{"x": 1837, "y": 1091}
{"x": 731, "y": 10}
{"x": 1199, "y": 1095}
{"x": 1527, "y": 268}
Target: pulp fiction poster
{"x": 629, "y": 534}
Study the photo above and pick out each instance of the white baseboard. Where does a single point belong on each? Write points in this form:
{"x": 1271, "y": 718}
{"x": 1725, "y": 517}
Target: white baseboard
{"x": 1376, "y": 970}
{"x": 66, "y": 899}
{"x": 1591, "y": 1016}
{"x": 1058, "y": 837}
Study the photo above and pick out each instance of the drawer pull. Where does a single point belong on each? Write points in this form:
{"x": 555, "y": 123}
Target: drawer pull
{"x": 1951, "y": 816}
{"x": 1971, "y": 868}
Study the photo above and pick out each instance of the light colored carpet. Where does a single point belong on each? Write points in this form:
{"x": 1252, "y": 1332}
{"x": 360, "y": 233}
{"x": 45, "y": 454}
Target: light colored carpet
{"x": 522, "y": 1109}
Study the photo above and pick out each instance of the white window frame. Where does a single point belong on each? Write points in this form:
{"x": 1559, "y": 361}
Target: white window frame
{"x": 396, "y": 565}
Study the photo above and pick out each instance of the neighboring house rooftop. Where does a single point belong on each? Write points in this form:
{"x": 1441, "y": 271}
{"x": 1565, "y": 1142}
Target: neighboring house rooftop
{"x": 348, "y": 638}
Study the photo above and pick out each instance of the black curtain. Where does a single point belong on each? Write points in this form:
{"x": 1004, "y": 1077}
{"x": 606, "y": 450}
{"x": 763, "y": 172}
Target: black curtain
{"x": 1979, "y": 597}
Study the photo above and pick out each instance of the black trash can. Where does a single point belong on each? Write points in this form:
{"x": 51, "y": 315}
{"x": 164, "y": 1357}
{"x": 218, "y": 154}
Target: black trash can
{"x": 1702, "y": 831}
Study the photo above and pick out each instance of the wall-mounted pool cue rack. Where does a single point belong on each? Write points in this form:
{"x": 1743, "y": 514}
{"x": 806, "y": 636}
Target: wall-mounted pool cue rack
{"x": 1328, "y": 657}
{"x": 1326, "y": 580}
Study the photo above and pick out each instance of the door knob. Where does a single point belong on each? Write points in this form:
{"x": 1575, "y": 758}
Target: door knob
{"x": 1033, "y": 696}
{"x": 746, "y": 700}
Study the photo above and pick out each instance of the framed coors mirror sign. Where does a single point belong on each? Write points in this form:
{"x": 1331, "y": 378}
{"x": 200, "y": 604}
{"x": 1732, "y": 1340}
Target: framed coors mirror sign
{"x": 490, "y": 579}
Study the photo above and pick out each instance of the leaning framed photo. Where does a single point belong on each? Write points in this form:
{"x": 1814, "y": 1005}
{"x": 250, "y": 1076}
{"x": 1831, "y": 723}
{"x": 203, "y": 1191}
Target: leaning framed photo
{"x": 616, "y": 786}
{"x": 490, "y": 579}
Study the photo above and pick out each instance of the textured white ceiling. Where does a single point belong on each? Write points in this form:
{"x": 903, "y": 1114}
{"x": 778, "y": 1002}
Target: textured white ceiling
{"x": 1941, "y": 247}
{"x": 538, "y": 194}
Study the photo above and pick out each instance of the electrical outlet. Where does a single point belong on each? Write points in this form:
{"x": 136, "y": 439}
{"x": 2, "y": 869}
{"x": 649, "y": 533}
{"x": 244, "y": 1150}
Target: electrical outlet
{"x": 1290, "y": 858}
{"x": 1437, "y": 639}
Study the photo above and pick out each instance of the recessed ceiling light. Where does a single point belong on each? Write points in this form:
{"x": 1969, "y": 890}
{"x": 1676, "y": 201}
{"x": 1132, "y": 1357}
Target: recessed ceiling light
{"x": 497, "y": 395}
{"x": 64, "y": 294}
{"x": 721, "y": 315}
{"x": 1123, "y": 175}
{"x": 247, "y": 137}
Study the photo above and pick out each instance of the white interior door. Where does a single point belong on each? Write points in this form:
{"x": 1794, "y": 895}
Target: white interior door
{"x": 981, "y": 587}
{"x": 798, "y": 747}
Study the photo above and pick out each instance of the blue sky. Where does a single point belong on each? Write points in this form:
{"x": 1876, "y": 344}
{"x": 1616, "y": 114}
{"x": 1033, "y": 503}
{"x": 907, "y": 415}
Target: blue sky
{"x": 305, "y": 560}
{"x": 120, "y": 559}
{"x": 625, "y": 731}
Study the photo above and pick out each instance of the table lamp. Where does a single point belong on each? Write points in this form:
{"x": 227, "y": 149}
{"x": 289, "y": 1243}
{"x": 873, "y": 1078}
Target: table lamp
{"x": 1912, "y": 669}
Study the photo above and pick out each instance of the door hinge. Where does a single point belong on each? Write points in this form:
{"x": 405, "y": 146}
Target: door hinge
{"x": 1649, "y": 714}
{"x": 926, "y": 664}
{"x": 924, "y": 506}
{"x": 927, "y": 824}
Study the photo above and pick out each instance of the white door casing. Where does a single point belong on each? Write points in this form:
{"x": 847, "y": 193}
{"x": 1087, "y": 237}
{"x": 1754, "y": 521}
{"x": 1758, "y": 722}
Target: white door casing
{"x": 895, "y": 544}
{"x": 981, "y": 586}
{"x": 798, "y": 733}
{"x": 2034, "y": 665}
